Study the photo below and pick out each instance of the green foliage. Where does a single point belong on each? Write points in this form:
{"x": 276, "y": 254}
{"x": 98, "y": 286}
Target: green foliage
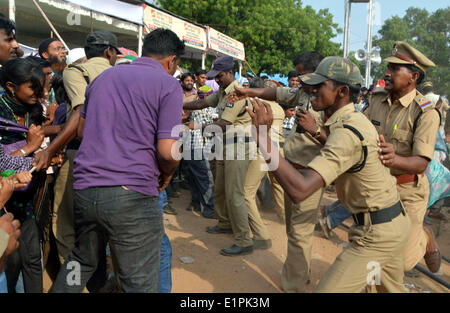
{"x": 274, "y": 32}
{"x": 427, "y": 32}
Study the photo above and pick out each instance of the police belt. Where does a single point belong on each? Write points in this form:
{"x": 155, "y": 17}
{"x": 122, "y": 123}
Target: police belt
{"x": 237, "y": 139}
{"x": 407, "y": 178}
{"x": 298, "y": 166}
{"x": 381, "y": 216}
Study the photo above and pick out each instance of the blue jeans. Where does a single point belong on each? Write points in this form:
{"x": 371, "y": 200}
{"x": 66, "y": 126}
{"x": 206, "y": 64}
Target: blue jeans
{"x": 3, "y": 284}
{"x": 165, "y": 265}
{"x": 201, "y": 183}
{"x": 336, "y": 214}
{"x": 162, "y": 200}
{"x": 133, "y": 223}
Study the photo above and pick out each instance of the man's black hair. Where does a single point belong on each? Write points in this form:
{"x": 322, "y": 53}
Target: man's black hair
{"x": 310, "y": 60}
{"x": 354, "y": 90}
{"x": 286, "y": 106}
{"x": 414, "y": 69}
{"x": 427, "y": 89}
{"x": 292, "y": 74}
{"x": 162, "y": 42}
{"x": 39, "y": 61}
{"x": 200, "y": 72}
{"x": 7, "y": 25}
{"x": 186, "y": 75}
{"x": 257, "y": 82}
{"x": 93, "y": 51}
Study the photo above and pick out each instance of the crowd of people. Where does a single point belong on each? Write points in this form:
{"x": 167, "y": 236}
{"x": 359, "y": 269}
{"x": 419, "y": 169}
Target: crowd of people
{"x": 96, "y": 140}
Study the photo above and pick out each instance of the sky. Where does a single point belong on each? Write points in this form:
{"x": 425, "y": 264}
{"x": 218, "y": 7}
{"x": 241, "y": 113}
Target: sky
{"x": 383, "y": 9}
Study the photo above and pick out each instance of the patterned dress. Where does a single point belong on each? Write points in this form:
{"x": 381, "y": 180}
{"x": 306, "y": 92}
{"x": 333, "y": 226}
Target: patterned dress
{"x": 21, "y": 202}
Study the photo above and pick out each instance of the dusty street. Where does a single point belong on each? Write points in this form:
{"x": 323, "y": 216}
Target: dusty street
{"x": 260, "y": 271}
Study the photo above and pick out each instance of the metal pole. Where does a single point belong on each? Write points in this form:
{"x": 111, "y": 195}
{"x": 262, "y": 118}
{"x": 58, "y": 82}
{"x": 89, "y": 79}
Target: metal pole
{"x": 369, "y": 44}
{"x": 432, "y": 276}
{"x": 203, "y": 60}
{"x": 50, "y": 24}
{"x": 140, "y": 41}
{"x": 92, "y": 23}
{"x": 240, "y": 68}
{"x": 12, "y": 10}
{"x": 348, "y": 7}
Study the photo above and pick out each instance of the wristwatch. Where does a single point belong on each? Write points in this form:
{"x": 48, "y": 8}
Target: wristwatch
{"x": 317, "y": 134}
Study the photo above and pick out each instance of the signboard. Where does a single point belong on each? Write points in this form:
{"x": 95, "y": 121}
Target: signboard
{"x": 226, "y": 45}
{"x": 192, "y": 35}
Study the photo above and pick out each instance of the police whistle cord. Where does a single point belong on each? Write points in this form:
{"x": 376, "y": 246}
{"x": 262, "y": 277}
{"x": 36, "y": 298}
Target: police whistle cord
{"x": 432, "y": 276}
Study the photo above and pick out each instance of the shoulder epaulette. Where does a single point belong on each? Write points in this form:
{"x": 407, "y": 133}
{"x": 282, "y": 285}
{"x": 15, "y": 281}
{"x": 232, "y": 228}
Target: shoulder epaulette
{"x": 83, "y": 71}
{"x": 424, "y": 103}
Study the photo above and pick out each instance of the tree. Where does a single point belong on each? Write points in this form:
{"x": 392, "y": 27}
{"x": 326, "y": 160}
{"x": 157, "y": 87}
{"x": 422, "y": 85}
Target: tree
{"x": 274, "y": 32}
{"x": 429, "y": 33}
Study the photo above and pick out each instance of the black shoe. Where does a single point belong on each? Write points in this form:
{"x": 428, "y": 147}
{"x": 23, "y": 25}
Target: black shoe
{"x": 217, "y": 230}
{"x": 211, "y": 216}
{"x": 172, "y": 194}
{"x": 193, "y": 207}
{"x": 169, "y": 210}
{"x": 235, "y": 250}
{"x": 184, "y": 185}
{"x": 262, "y": 244}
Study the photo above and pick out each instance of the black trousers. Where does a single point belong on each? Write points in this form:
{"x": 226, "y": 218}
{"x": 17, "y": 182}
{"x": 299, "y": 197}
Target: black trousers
{"x": 27, "y": 258}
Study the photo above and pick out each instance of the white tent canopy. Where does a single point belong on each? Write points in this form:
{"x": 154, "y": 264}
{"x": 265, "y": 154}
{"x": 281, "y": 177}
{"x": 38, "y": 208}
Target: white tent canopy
{"x": 74, "y": 19}
{"x": 124, "y": 11}
{"x": 72, "y": 22}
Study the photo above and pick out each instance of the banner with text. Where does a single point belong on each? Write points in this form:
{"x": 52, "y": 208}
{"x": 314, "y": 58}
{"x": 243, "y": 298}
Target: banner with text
{"x": 226, "y": 45}
{"x": 192, "y": 35}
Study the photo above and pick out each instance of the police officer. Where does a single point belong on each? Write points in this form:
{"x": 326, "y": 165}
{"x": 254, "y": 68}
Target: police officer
{"x": 408, "y": 123}
{"x": 301, "y": 146}
{"x": 229, "y": 198}
{"x": 349, "y": 156}
{"x": 256, "y": 172}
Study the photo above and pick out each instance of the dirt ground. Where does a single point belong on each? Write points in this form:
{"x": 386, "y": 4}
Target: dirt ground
{"x": 260, "y": 271}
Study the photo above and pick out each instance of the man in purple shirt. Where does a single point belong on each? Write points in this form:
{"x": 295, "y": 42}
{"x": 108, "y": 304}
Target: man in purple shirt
{"x": 124, "y": 160}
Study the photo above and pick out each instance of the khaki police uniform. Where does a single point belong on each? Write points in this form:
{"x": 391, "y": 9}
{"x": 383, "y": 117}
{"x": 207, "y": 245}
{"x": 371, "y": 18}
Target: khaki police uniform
{"x": 75, "y": 83}
{"x": 385, "y": 115}
{"x": 299, "y": 149}
{"x": 255, "y": 173}
{"x": 4, "y": 238}
{"x": 444, "y": 109}
{"x": 372, "y": 246}
{"x": 411, "y": 135}
{"x": 229, "y": 198}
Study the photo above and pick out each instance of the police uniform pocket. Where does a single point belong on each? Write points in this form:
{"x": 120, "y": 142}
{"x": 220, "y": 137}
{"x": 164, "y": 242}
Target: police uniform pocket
{"x": 358, "y": 234}
{"x": 402, "y": 135}
{"x": 403, "y": 140}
